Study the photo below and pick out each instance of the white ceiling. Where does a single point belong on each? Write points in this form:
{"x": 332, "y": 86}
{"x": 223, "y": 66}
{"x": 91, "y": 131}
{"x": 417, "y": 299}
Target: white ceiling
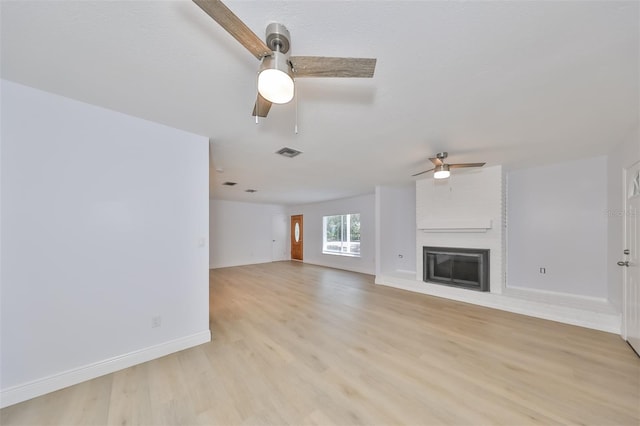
{"x": 512, "y": 83}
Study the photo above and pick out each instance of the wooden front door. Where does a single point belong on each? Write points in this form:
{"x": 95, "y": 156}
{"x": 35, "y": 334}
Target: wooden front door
{"x": 296, "y": 237}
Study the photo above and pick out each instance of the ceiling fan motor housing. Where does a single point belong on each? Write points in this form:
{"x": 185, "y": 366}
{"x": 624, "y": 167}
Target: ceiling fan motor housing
{"x": 278, "y": 38}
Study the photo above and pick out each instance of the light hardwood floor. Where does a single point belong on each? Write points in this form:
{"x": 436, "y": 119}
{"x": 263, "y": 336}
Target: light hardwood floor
{"x": 301, "y": 344}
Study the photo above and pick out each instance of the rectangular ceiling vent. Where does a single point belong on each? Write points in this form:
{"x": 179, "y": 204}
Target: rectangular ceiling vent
{"x": 229, "y": 183}
{"x": 288, "y": 152}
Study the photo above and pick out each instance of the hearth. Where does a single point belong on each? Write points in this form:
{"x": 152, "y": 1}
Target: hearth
{"x": 458, "y": 267}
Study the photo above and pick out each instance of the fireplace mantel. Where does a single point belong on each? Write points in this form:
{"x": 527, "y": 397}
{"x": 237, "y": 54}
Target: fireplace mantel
{"x": 455, "y": 225}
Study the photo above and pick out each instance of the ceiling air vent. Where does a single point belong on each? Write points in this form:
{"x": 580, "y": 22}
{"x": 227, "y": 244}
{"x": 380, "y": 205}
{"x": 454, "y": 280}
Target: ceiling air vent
{"x": 288, "y": 152}
{"x": 229, "y": 183}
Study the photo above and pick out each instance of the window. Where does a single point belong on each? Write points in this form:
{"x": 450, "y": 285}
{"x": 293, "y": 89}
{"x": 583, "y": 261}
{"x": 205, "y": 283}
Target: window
{"x": 341, "y": 234}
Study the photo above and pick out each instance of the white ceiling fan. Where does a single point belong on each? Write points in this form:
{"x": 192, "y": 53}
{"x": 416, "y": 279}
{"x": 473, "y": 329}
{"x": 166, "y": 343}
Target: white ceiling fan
{"x": 279, "y": 68}
{"x": 442, "y": 169}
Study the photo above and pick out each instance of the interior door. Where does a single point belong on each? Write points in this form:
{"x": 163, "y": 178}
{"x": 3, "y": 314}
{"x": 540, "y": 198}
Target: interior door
{"x": 296, "y": 237}
{"x": 278, "y": 237}
{"x": 631, "y": 258}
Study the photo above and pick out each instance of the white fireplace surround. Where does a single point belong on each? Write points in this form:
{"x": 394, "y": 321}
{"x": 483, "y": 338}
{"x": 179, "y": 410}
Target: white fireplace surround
{"x": 465, "y": 211}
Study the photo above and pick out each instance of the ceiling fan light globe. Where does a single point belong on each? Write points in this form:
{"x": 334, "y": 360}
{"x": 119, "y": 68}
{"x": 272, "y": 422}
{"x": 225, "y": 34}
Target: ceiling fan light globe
{"x": 275, "y": 82}
{"x": 441, "y": 172}
{"x": 275, "y": 86}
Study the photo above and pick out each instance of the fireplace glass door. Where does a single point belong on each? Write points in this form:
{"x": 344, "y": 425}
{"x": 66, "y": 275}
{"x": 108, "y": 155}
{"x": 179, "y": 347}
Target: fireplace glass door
{"x": 457, "y": 267}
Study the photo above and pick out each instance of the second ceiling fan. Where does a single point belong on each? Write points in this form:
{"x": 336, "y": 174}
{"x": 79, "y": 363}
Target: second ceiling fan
{"x": 279, "y": 68}
{"x": 442, "y": 169}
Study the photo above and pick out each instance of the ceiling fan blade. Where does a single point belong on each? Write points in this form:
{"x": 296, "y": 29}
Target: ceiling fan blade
{"x": 421, "y": 173}
{"x": 262, "y": 107}
{"x": 436, "y": 161}
{"x": 234, "y": 26}
{"x": 321, "y": 66}
{"x": 461, "y": 165}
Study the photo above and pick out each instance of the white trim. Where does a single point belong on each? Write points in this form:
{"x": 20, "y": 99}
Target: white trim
{"x": 454, "y": 230}
{"x": 625, "y": 245}
{"x": 451, "y": 225}
{"x": 560, "y": 298}
{"x": 378, "y": 228}
{"x": 603, "y": 321}
{"x": 335, "y": 253}
{"x": 625, "y": 286}
{"x": 23, "y": 392}
{"x": 233, "y": 265}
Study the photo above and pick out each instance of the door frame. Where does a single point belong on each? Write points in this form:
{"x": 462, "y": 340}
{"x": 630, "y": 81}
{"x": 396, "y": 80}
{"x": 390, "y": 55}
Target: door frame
{"x": 625, "y": 241}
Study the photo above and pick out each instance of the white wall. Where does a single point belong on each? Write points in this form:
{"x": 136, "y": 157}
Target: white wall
{"x": 104, "y": 226}
{"x": 396, "y": 217}
{"x": 623, "y": 156}
{"x": 556, "y": 220}
{"x": 453, "y": 207}
{"x": 244, "y": 233}
{"x": 313, "y": 213}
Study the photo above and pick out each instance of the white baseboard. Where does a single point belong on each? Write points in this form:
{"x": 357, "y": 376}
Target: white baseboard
{"x": 16, "y": 394}
{"x": 233, "y": 265}
{"x": 596, "y": 304}
{"x": 603, "y": 321}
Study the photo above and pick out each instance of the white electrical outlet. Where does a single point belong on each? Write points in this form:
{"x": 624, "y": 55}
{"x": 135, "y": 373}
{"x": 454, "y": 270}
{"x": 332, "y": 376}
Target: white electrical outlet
{"x": 156, "y": 321}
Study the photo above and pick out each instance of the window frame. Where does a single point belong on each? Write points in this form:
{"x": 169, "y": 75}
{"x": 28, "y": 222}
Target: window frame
{"x": 346, "y": 243}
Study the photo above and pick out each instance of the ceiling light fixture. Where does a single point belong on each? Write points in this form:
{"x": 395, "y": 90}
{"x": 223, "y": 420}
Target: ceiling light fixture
{"x": 441, "y": 172}
{"x": 275, "y": 78}
{"x": 275, "y": 81}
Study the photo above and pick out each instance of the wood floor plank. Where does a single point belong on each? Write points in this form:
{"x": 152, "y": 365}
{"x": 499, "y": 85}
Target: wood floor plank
{"x": 129, "y": 401}
{"x": 300, "y": 344}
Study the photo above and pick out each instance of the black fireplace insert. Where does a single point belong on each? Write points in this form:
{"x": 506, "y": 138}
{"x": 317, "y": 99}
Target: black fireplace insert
{"x": 458, "y": 267}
